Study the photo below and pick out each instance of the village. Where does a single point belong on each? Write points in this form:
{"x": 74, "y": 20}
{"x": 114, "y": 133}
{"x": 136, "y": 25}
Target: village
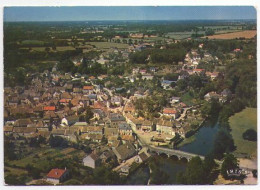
{"x": 79, "y": 108}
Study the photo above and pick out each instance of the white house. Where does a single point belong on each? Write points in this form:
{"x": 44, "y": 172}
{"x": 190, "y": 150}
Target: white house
{"x": 91, "y": 160}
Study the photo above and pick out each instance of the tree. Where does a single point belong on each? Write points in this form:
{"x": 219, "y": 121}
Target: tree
{"x": 58, "y": 142}
{"x": 197, "y": 172}
{"x": 33, "y": 171}
{"x": 230, "y": 162}
{"x": 223, "y": 143}
{"x": 250, "y": 135}
{"x": 89, "y": 114}
{"x": 182, "y": 84}
{"x": 15, "y": 179}
{"x": 66, "y": 65}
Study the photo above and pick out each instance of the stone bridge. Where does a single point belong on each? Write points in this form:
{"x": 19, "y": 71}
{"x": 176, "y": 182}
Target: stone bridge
{"x": 172, "y": 152}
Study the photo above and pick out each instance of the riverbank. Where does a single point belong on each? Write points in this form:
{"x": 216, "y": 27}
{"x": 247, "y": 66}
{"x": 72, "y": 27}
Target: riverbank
{"x": 193, "y": 137}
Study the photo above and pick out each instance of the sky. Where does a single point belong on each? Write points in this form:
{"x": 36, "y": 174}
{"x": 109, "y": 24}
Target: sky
{"x": 128, "y": 13}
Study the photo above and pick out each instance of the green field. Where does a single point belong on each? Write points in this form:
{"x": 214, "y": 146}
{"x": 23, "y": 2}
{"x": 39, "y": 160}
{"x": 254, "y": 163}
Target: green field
{"x": 239, "y": 123}
{"x": 107, "y": 45}
{"x": 181, "y": 35}
{"x": 32, "y": 42}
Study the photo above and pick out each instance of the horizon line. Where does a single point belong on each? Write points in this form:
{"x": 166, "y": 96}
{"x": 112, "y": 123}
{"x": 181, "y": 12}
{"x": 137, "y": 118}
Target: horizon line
{"x": 133, "y": 20}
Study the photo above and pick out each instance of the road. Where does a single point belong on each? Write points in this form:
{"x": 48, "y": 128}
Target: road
{"x": 183, "y": 114}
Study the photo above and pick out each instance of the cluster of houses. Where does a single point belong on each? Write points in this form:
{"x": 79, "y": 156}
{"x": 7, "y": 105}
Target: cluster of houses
{"x": 57, "y": 104}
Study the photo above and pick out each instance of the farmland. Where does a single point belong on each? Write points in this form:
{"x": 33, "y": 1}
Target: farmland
{"x": 239, "y": 123}
{"x": 108, "y": 45}
{"x": 243, "y": 34}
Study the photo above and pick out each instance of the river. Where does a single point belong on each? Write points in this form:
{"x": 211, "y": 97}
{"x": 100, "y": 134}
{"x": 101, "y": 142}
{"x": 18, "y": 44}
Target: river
{"x": 202, "y": 145}
{"x": 204, "y": 139}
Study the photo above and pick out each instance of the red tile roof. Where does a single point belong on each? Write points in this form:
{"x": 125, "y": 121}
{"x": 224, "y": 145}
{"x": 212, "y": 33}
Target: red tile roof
{"x": 64, "y": 101}
{"x": 56, "y": 173}
{"x": 88, "y": 88}
{"x": 169, "y": 111}
{"x": 49, "y": 108}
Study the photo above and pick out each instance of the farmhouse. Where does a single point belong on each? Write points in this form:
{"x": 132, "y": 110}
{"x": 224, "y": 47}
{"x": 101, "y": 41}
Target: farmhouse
{"x": 57, "y": 176}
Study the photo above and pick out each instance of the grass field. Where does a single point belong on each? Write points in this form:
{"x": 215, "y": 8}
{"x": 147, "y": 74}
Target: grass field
{"x": 39, "y": 158}
{"x": 239, "y": 123}
{"x": 187, "y": 99}
{"x": 243, "y": 34}
{"x": 107, "y": 45}
{"x": 60, "y": 48}
{"x": 14, "y": 171}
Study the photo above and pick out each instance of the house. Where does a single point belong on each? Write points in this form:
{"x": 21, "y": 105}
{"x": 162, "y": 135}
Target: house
{"x": 135, "y": 123}
{"x": 165, "y": 126}
{"x": 113, "y": 141}
{"x": 124, "y": 129}
{"x": 107, "y": 156}
{"x": 127, "y": 138}
{"x": 135, "y": 71}
{"x": 66, "y": 96}
{"x": 22, "y": 122}
{"x": 70, "y": 120}
{"x": 226, "y": 93}
{"x": 125, "y": 151}
{"x": 142, "y": 157}
{"x": 211, "y": 95}
{"x": 80, "y": 124}
{"x": 171, "y": 112}
{"x": 143, "y": 71}
{"x": 129, "y": 108}
{"x": 115, "y": 118}
{"x": 93, "y": 137}
{"x": 92, "y": 160}
{"x": 25, "y": 131}
{"x": 49, "y": 108}
{"x": 212, "y": 75}
{"x": 116, "y": 100}
{"x": 174, "y": 100}
{"x": 8, "y": 129}
{"x": 147, "y": 77}
{"x": 98, "y": 130}
{"x": 198, "y": 71}
{"x": 109, "y": 132}
{"x": 57, "y": 176}
{"x": 147, "y": 126}
{"x": 166, "y": 84}
{"x": 92, "y": 98}
{"x": 88, "y": 89}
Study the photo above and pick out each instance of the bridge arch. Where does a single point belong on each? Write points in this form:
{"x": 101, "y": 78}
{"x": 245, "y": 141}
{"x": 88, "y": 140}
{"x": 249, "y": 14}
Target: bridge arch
{"x": 164, "y": 155}
{"x": 184, "y": 159}
{"x": 174, "y": 157}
